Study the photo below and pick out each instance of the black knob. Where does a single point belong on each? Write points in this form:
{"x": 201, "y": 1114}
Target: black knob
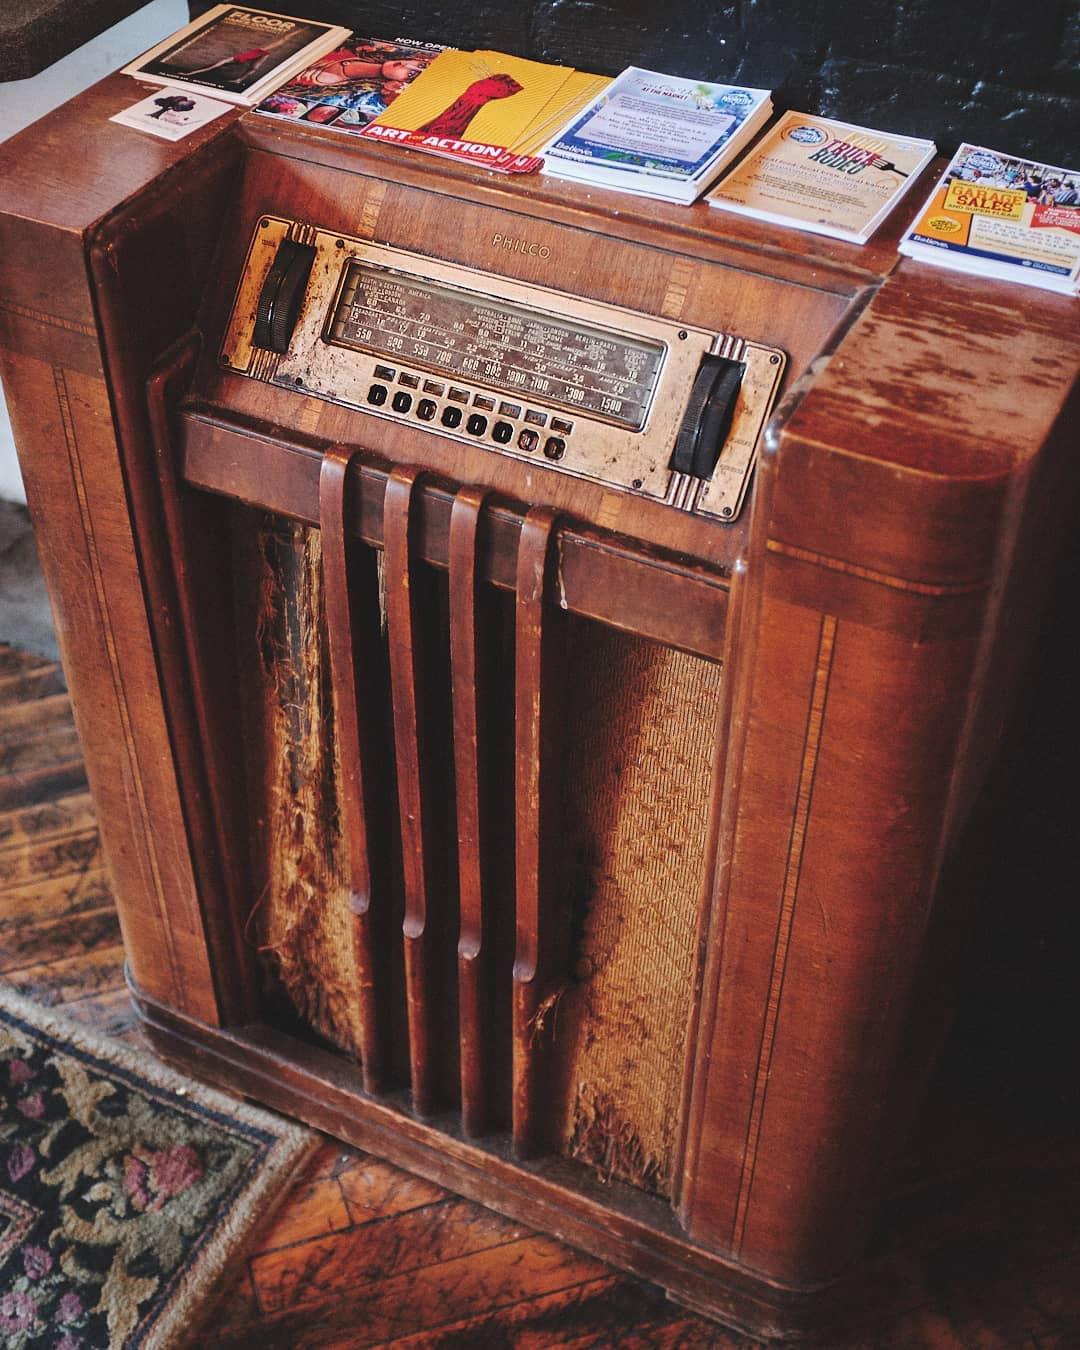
{"x": 282, "y": 295}
{"x": 707, "y": 421}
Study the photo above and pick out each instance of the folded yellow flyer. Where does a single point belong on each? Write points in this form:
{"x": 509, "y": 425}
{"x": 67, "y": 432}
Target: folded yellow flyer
{"x": 578, "y": 90}
{"x": 473, "y": 106}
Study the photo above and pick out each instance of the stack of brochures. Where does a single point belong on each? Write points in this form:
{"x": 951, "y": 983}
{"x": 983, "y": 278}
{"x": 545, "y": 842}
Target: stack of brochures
{"x": 995, "y": 215}
{"x": 236, "y": 53}
{"x": 657, "y": 135}
{"x": 485, "y": 108}
{"x": 824, "y": 176}
{"x": 481, "y": 107}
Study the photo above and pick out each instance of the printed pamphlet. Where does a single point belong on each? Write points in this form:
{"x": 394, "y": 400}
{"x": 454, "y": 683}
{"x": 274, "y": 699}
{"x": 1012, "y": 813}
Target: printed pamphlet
{"x": 579, "y": 89}
{"x": 658, "y": 135}
{"x": 235, "y": 53}
{"x": 996, "y": 215}
{"x": 352, "y": 85}
{"x": 479, "y": 107}
{"x": 828, "y": 177}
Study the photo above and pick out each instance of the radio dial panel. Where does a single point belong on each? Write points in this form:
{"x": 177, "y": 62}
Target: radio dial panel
{"x": 585, "y": 388}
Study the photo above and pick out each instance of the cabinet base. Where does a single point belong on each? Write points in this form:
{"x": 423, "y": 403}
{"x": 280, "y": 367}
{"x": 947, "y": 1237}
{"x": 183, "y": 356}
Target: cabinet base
{"x": 633, "y": 1231}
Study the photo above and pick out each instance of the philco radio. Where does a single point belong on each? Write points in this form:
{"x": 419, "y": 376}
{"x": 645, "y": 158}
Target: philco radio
{"x": 535, "y": 656}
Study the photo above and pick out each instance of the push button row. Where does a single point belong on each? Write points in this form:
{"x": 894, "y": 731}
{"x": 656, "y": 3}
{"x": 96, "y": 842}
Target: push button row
{"x": 482, "y": 402}
{"x": 502, "y": 433}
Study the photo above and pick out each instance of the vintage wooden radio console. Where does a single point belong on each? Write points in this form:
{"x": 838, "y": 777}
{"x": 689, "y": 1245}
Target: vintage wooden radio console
{"x": 495, "y": 770}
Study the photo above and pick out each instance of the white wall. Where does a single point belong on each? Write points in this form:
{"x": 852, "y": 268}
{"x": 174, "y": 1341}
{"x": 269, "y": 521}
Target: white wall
{"x": 24, "y": 101}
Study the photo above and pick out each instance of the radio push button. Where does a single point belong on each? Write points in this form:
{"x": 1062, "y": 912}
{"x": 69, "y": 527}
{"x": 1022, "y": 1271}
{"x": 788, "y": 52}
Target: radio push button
{"x": 376, "y": 395}
{"x": 528, "y": 440}
{"x": 401, "y": 402}
{"x": 426, "y": 409}
{"x": 502, "y": 432}
{"x": 476, "y": 425}
{"x": 554, "y": 447}
{"x": 451, "y": 417}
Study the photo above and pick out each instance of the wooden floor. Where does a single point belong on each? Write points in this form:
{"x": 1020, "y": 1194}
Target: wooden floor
{"x": 980, "y": 1246}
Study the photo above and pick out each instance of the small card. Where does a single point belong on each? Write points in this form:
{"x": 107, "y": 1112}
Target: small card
{"x": 171, "y": 113}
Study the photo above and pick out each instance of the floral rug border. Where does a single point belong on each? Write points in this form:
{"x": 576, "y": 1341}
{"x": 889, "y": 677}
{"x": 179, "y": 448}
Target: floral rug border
{"x": 280, "y": 1147}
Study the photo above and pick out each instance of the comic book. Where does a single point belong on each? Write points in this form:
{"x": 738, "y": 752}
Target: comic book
{"x": 828, "y": 177}
{"x": 998, "y": 215}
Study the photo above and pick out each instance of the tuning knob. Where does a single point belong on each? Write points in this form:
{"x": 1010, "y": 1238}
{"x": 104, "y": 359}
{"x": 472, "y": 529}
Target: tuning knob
{"x": 707, "y": 421}
{"x": 282, "y": 295}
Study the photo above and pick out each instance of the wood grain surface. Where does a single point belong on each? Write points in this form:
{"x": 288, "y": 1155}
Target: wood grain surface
{"x": 873, "y": 613}
{"x": 979, "y": 1245}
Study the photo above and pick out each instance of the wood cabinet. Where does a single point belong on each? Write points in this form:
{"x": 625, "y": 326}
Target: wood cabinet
{"x": 483, "y": 789}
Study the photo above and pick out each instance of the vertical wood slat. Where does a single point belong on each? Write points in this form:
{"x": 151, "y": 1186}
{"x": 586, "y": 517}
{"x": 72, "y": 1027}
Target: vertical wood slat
{"x": 419, "y": 936}
{"x": 539, "y": 974}
{"x": 730, "y": 742}
{"x": 341, "y": 605}
{"x": 184, "y": 652}
{"x": 475, "y": 939}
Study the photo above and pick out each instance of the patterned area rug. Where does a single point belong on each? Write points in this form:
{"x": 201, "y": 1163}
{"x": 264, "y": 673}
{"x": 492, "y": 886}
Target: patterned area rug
{"x": 125, "y": 1189}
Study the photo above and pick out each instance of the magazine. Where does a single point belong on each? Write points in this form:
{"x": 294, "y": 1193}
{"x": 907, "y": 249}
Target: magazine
{"x": 478, "y": 107}
{"x": 658, "y": 135}
{"x": 828, "y": 177}
{"x": 996, "y": 215}
{"x": 235, "y": 53}
{"x": 353, "y": 84}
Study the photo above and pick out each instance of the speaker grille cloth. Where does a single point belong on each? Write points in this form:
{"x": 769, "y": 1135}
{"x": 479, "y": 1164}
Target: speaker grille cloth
{"x": 642, "y": 723}
{"x": 636, "y": 789}
{"x": 303, "y": 923}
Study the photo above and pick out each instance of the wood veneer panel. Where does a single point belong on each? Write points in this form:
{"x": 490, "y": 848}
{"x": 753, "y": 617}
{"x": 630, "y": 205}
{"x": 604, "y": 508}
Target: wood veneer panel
{"x": 45, "y": 182}
{"x": 56, "y": 334}
{"x": 655, "y": 592}
{"x": 471, "y": 694}
{"x": 78, "y": 501}
{"x": 817, "y": 261}
{"x": 430, "y": 897}
{"x": 540, "y": 910}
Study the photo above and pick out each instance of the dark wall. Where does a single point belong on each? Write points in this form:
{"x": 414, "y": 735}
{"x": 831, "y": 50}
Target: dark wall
{"x": 1005, "y": 73}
